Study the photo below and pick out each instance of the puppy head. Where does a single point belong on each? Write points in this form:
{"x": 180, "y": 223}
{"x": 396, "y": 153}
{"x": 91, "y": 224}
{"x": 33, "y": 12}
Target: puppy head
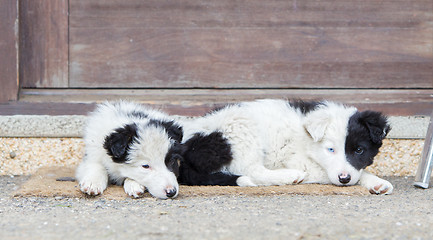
{"x": 327, "y": 127}
{"x": 365, "y": 133}
{"x": 345, "y": 141}
{"x": 148, "y": 153}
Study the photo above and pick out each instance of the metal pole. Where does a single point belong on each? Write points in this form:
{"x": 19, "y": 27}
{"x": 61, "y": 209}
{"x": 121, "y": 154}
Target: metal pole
{"x": 425, "y": 166}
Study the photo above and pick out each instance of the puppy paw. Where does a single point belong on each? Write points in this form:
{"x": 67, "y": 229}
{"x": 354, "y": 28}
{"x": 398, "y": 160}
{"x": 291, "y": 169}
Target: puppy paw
{"x": 133, "y": 188}
{"x": 295, "y": 176}
{"x": 375, "y": 184}
{"x": 284, "y": 177}
{"x": 245, "y": 181}
{"x": 379, "y": 186}
{"x": 265, "y": 177}
{"x": 93, "y": 187}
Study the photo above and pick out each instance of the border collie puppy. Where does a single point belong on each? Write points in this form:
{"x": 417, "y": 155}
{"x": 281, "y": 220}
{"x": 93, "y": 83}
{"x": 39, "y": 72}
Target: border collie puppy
{"x": 275, "y": 142}
{"x": 131, "y": 145}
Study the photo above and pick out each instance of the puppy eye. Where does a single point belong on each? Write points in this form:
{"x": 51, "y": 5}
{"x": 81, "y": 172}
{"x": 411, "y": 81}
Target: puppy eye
{"x": 145, "y": 166}
{"x": 331, "y": 150}
{"x": 176, "y": 158}
{"x": 359, "y": 150}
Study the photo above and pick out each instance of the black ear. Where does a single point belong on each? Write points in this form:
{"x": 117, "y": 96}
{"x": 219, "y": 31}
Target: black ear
{"x": 174, "y": 131}
{"x": 117, "y": 143}
{"x": 377, "y": 125}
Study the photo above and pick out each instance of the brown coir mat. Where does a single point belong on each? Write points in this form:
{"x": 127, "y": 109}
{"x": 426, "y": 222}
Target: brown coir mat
{"x": 45, "y": 183}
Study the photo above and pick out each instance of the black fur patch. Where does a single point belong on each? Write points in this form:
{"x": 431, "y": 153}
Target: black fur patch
{"x": 189, "y": 176}
{"x": 204, "y": 157}
{"x": 366, "y": 130}
{"x": 173, "y": 158}
{"x": 118, "y": 143}
{"x": 173, "y": 130}
{"x": 208, "y": 153}
{"x": 305, "y": 107}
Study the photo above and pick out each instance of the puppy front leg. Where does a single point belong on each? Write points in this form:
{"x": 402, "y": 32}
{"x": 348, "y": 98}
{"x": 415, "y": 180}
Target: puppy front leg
{"x": 261, "y": 176}
{"x": 92, "y": 178}
{"x": 375, "y": 184}
{"x": 133, "y": 188}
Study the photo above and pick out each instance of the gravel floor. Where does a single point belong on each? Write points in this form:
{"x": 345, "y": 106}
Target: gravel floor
{"x": 406, "y": 214}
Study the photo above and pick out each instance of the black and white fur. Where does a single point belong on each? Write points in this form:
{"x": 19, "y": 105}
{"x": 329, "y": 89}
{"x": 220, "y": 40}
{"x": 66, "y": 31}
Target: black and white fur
{"x": 275, "y": 142}
{"x": 131, "y": 145}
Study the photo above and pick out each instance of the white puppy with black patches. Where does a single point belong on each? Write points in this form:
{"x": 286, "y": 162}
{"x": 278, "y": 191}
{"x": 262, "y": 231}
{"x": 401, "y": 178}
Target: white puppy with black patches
{"x": 276, "y": 142}
{"x": 130, "y": 144}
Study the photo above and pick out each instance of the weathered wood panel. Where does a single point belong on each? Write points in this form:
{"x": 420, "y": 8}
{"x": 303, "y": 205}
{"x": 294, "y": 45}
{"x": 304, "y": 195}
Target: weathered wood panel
{"x": 252, "y": 13}
{"x": 251, "y": 44}
{"x": 47, "y": 108}
{"x": 199, "y": 101}
{"x": 8, "y": 51}
{"x": 44, "y": 43}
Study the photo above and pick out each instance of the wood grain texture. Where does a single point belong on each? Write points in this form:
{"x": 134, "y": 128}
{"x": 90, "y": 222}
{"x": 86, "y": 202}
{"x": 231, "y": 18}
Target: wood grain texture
{"x": 8, "y": 51}
{"x": 44, "y": 43}
{"x": 197, "y": 109}
{"x": 251, "y": 44}
{"x": 195, "y": 102}
{"x": 252, "y": 13}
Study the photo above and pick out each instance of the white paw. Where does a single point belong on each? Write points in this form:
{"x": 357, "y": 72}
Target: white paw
{"x": 93, "y": 187}
{"x": 133, "y": 188}
{"x": 300, "y": 176}
{"x": 383, "y": 187}
{"x": 296, "y": 176}
{"x": 284, "y": 177}
{"x": 245, "y": 181}
{"x": 379, "y": 186}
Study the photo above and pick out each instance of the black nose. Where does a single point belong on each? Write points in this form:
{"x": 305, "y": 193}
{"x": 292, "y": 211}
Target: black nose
{"x": 344, "y": 178}
{"x": 170, "y": 192}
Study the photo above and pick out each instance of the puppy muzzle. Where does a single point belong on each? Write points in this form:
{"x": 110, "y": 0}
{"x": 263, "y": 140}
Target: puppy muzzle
{"x": 171, "y": 192}
{"x": 344, "y": 178}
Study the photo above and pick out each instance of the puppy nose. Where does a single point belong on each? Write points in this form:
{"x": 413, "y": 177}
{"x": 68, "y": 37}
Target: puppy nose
{"x": 344, "y": 178}
{"x": 170, "y": 192}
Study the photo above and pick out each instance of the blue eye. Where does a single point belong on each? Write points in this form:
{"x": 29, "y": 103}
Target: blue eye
{"x": 331, "y": 150}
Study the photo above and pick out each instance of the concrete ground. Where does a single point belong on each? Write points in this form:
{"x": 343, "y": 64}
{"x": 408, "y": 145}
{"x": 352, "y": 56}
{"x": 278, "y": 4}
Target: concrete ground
{"x": 406, "y": 214}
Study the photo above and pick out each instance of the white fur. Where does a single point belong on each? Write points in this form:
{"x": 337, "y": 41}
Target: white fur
{"x": 97, "y": 167}
{"x": 275, "y": 144}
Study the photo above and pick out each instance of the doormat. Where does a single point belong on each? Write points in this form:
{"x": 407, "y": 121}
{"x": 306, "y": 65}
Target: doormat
{"x": 58, "y": 182}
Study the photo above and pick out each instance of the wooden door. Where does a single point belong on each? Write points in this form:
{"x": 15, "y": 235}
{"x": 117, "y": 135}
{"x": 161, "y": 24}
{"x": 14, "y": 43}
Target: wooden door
{"x": 371, "y": 53}
{"x": 249, "y": 44}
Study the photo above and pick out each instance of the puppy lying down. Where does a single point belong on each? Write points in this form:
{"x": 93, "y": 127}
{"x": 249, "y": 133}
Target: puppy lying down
{"x": 131, "y": 145}
{"x": 276, "y": 142}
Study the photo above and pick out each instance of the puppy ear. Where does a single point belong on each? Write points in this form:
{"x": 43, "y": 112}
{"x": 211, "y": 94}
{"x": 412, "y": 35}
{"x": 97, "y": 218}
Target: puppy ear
{"x": 315, "y": 124}
{"x": 174, "y": 131}
{"x": 182, "y": 148}
{"x": 117, "y": 143}
{"x": 377, "y": 125}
